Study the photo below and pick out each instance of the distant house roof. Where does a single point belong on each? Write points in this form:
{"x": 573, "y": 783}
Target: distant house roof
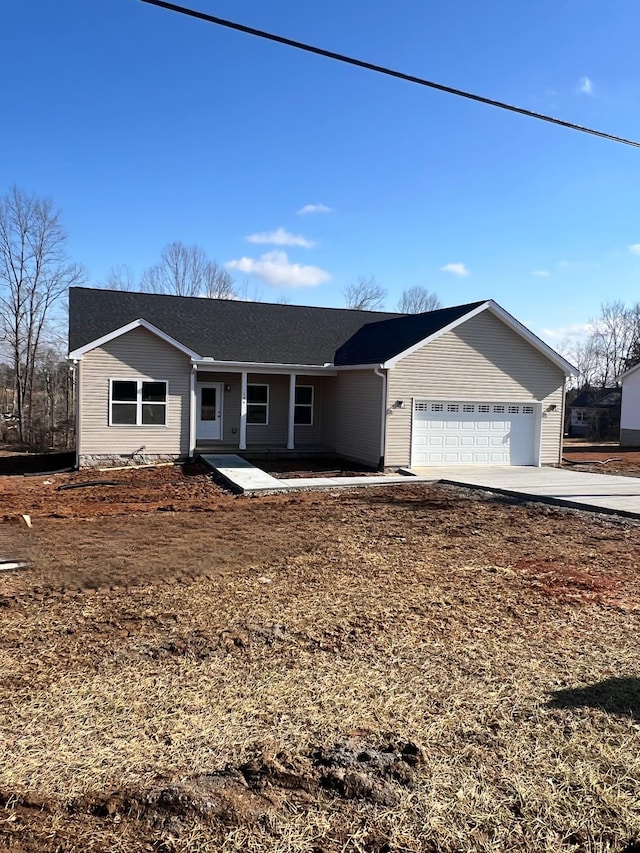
{"x": 597, "y": 398}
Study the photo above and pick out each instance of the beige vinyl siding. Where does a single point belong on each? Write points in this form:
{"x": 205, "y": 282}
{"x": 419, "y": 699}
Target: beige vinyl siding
{"x": 138, "y": 354}
{"x": 480, "y": 360}
{"x": 312, "y": 434}
{"x": 354, "y": 404}
{"x": 275, "y": 432}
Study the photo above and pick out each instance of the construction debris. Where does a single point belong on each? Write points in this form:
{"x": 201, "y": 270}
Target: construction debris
{"x": 10, "y": 565}
{"x": 136, "y": 466}
{"x": 84, "y": 485}
{"x": 592, "y": 461}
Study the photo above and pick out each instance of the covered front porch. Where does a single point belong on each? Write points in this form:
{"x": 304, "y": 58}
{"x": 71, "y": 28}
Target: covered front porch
{"x": 262, "y": 412}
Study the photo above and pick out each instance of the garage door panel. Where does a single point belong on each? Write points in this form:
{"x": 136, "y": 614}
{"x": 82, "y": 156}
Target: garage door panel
{"x": 462, "y": 433}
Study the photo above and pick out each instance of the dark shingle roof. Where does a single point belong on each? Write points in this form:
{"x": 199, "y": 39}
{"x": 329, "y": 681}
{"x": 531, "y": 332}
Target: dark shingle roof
{"x": 229, "y": 330}
{"x": 378, "y": 341}
{"x": 599, "y": 398}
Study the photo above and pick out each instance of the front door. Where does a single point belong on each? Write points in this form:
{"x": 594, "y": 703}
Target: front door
{"x": 209, "y": 402}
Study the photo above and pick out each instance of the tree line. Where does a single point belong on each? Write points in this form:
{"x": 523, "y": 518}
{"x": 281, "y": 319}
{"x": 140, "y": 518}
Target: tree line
{"x": 37, "y": 401}
{"x": 611, "y": 346}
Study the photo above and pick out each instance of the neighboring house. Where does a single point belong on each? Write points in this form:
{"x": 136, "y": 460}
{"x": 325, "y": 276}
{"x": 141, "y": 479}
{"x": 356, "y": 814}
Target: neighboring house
{"x": 177, "y": 375}
{"x": 630, "y": 413}
{"x": 595, "y": 414}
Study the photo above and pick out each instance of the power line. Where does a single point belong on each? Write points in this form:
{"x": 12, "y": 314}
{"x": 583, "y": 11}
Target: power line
{"x": 390, "y": 72}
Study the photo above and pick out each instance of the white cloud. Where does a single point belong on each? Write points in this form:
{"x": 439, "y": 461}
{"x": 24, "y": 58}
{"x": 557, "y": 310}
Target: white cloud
{"x": 276, "y": 269}
{"x": 314, "y": 208}
{"x": 456, "y": 269}
{"x": 541, "y": 273}
{"x": 280, "y": 237}
{"x": 634, "y": 248}
{"x": 573, "y": 332}
{"x": 586, "y": 86}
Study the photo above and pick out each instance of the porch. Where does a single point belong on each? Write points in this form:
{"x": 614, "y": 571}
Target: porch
{"x": 268, "y": 452}
{"x": 260, "y": 415}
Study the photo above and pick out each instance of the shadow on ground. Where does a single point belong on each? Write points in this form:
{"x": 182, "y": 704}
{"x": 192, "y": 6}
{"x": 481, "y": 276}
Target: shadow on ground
{"x": 614, "y": 695}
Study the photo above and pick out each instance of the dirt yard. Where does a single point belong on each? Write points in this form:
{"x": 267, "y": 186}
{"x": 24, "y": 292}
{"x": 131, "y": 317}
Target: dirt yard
{"x": 393, "y": 670}
{"x": 624, "y": 462}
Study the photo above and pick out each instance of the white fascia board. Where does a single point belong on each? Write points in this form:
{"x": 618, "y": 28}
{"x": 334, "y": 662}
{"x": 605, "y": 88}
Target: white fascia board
{"x": 508, "y": 320}
{"x": 135, "y": 324}
{"x": 215, "y": 366}
{"x": 376, "y": 366}
{"x": 627, "y": 373}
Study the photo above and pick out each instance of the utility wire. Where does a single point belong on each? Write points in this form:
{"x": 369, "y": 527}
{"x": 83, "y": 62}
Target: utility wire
{"x": 380, "y": 69}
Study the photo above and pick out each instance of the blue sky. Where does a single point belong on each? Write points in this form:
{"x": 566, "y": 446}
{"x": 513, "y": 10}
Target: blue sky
{"x": 146, "y": 127}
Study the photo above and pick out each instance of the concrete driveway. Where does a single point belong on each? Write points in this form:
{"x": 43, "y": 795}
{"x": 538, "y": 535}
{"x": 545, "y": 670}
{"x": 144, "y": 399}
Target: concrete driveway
{"x": 599, "y": 492}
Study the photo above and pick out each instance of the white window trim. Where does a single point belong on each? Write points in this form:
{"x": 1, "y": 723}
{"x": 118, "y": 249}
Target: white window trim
{"x": 305, "y": 405}
{"x": 138, "y": 424}
{"x": 266, "y": 405}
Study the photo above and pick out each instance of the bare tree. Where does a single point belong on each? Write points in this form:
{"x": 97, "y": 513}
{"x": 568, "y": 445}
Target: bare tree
{"x": 119, "y": 277}
{"x": 417, "y": 300}
{"x": 35, "y": 272}
{"x": 613, "y": 339}
{"x": 180, "y": 271}
{"x": 611, "y": 346}
{"x": 584, "y": 357}
{"x": 365, "y": 294}
{"x": 218, "y": 282}
{"x": 187, "y": 271}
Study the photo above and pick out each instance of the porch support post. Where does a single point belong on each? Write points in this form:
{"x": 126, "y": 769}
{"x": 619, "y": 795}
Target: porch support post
{"x": 243, "y": 411}
{"x": 193, "y": 405}
{"x": 292, "y": 409}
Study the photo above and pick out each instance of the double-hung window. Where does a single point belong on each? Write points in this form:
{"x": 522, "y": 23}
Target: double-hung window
{"x": 138, "y": 402}
{"x": 303, "y": 410}
{"x": 257, "y": 404}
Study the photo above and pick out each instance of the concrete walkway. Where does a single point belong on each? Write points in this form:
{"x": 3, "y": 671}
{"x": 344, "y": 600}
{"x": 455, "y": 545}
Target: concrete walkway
{"x": 245, "y": 478}
{"x": 598, "y": 492}
{"x": 239, "y": 473}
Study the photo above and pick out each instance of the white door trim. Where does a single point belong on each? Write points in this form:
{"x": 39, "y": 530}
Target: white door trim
{"x": 218, "y": 432}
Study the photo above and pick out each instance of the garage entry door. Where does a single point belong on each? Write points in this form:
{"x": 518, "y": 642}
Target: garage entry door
{"x": 465, "y": 433}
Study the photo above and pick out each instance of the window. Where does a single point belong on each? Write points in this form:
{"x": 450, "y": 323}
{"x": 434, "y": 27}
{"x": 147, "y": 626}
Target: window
{"x": 514, "y": 410}
{"x": 468, "y": 407}
{"x": 484, "y": 408}
{"x": 581, "y": 416}
{"x": 498, "y": 410}
{"x": 303, "y": 409}
{"x": 527, "y": 410}
{"x": 257, "y": 404}
{"x": 453, "y": 407}
{"x": 138, "y": 402}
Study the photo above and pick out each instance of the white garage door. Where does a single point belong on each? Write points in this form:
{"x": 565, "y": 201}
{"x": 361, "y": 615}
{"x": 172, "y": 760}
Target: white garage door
{"x": 461, "y": 433}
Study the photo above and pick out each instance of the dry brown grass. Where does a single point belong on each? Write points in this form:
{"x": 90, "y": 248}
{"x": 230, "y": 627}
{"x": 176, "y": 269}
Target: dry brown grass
{"x": 146, "y": 652}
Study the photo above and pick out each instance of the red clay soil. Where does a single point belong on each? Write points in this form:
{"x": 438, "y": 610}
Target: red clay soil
{"x": 627, "y": 466}
{"x": 172, "y": 489}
